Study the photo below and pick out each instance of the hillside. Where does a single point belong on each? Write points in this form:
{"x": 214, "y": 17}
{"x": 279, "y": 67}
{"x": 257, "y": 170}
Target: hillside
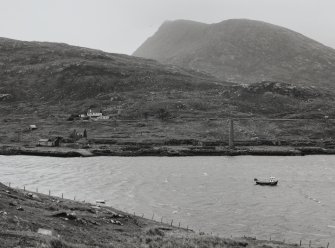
{"x": 44, "y": 83}
{"x": 243, "y": 51}
{"x": 51, "y": 72}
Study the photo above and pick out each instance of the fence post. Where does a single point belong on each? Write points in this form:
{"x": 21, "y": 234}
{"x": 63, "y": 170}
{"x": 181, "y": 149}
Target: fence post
{"x": 24, "y": 188}
{"x": 300, "y": 243}
{"x": 179, "y": 225}
{"x": 162, "y": 220}
{"x": 153, "y": 215}
{"x": 36, "y": 190}
{"x": 171, "y": 222}
{"x": 49, "y": 192}
{"x": 62, "y": 196}
{"x": 310, "y": 243}
{"x": 9, "y": 185}
{"x": 328, "y": 245}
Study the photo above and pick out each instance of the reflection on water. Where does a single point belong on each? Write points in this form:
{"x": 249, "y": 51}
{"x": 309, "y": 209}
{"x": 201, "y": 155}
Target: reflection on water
{"x": 214, "y": 194}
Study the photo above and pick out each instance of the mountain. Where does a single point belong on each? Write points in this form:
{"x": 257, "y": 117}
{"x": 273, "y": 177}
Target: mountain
{"x": 242, "y": 50}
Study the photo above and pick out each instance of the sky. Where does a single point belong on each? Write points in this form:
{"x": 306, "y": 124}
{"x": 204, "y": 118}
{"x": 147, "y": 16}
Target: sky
{"x": 121, "y": 26}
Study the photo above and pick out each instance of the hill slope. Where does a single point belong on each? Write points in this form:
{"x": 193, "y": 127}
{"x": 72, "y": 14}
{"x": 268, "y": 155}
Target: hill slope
{"x": 45, "y": 83}
{"x": 243, "y": 51}
{"x": 53, "y": 71}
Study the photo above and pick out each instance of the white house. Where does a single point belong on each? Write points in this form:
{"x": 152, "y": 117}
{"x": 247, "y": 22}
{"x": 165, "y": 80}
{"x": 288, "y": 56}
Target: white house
{"x": 32, "y": 127}
{"x": 94, "y": 113}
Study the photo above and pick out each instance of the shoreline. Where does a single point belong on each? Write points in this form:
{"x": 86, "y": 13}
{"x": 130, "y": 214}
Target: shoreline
{"x": 137, "y": 150}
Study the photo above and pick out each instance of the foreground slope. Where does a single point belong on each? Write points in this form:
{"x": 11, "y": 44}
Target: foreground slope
{"x": 243, "y": 51}
{"x": 36, "y": 220}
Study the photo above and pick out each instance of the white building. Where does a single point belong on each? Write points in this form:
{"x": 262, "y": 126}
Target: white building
{"x": 32, "y": 127}
{"x": 94, "y": 113}
{"x": 103, "y": 117}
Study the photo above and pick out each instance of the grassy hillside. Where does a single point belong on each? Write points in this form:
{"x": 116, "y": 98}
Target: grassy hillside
{"x": 44, "y": 83}
{"x": 51, "y": 72}
{"x": 243, "y": 51}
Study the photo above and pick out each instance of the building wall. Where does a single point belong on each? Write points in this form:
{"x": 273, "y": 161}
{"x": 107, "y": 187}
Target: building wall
{"x": 94, "y": 114}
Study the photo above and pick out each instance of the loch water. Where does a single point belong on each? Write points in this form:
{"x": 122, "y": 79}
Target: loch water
{"x": 210, "y": 194}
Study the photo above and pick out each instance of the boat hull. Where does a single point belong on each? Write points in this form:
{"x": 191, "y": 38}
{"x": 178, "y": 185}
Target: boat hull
{"x": 263, "y": 183}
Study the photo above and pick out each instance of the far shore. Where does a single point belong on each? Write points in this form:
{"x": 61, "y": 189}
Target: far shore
{"x": 166, "y": 150}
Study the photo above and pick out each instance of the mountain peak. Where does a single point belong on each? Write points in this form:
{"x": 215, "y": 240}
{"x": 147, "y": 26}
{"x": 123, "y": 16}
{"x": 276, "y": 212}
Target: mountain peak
{"x": 242, "y": 50}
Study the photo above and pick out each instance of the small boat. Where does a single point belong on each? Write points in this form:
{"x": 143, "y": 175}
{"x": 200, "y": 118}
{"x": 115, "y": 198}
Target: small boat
{"x": 272, "y": 181}
{"x": 100, "y": 202}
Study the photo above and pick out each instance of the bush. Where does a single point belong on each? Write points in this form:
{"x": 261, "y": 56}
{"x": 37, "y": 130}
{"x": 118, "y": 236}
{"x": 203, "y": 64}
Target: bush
{"x": 163, "y": 114}
{"x": 57, "y": 243}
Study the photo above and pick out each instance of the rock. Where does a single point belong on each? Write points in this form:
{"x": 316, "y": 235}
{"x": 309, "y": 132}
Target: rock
{"x": 29, "y": 195}
{"x": 14, "y": 204}
{"x": 112, "y": 213}
{"x": 72, "y": 216}
{"x": 94, "y": 222}
{"x": 32, "y": 196}
{"x": 116, "y": 222}
{"x": 36, "y": 197}
{"x": 45, "y": 232}
{"x": 91, "y": 211}
{"x": 62, "y": 214}
{"x": 20, "y": 208}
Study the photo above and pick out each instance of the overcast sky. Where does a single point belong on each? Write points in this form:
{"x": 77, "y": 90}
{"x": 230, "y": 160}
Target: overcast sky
{"x": 121, "y": 26}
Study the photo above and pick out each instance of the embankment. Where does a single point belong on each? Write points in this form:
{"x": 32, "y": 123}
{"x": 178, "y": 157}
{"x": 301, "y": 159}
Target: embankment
{"x": 44, "y": 151}
{"x": 153, "y": 150}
